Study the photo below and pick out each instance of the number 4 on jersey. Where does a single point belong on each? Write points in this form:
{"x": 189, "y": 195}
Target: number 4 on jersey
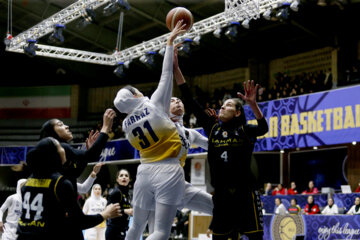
{"x": 224, "y": 156}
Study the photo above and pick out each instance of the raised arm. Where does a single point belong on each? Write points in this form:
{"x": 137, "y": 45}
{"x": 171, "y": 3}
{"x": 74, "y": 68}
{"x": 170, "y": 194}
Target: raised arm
{"x": 162, "y": 95}
{"x": 199, "y": 139}
{"x": 86, "y": 185}
{"x": 250, "y": 97}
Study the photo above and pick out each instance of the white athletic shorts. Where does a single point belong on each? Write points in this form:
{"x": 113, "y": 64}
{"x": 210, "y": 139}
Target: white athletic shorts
{"x": 95, "y": 233}
{"x": 161, "y": 182}
{"x": 190, "y": 192}
{"x": 10, "y": 232}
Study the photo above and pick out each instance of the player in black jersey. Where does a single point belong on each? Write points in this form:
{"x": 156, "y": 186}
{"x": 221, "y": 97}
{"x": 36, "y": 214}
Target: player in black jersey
{"x": 237, "y": 206}
{"x": 49, "y": 198}
{"x": 116, "y": 227}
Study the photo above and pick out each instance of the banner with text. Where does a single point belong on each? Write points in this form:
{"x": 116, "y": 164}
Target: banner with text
{"x": 324, "y": 118}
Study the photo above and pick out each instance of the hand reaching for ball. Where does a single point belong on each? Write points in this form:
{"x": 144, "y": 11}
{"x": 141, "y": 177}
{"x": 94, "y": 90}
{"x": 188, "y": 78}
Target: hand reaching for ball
{"x": 178, "y": 30}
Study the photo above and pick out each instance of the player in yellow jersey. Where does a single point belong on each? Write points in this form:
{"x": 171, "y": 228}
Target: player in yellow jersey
{"x": 160, "y": 180}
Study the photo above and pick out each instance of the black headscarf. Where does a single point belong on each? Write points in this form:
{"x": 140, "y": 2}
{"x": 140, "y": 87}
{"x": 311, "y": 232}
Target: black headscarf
{"x": 47, "y": 130}
{"x": 44, "y": 158}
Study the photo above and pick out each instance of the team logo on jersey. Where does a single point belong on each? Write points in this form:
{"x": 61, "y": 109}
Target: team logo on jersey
{"x": 225, "y": 134}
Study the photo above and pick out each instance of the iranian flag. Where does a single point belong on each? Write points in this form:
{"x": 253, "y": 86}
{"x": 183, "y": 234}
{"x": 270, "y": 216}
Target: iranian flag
{"x": 35, "y": 102}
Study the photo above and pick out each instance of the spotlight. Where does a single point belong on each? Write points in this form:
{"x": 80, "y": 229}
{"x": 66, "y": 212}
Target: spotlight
{"x": 246, "y": 24}
{"x": 232, "y": 31}
{"x": 185, "y": 49}
{"x": 127, "y": 63}
{"x": 354, "y": 143}
{"x": 282, "y": 151}
{"x": 217, "y": 33}
{"x": 196, "y": 40}
{"x": 57, "y": 37}
{"x": 162, "y": 51}
{"x": 315, "y": 147}
{"x": 87, "y": 17}
{"x": 294, "y": 6}
{"x": 119, "y": 70}
{"x": 31, "y": 49}
{"x": 267, "y": 14}
{"x": 114, "y": 5}
{"x": 283, "y": 13}
{"x": 149, "y": 59}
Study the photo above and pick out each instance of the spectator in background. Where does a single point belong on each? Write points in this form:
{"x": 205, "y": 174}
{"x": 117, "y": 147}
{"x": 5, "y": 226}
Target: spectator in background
{"x": 355, "y": 209}
{"x": 331, "y": 208}
{"x": 280, "y": 208}
{"x": 13, "y": 205}
{"x": 227, "y": 96}
{"x": 292, "y": 190}
{"x": 358, "y": 188}
{"x": 268, "y": 189}
{"x": 294, "y": 208}
{"x": 279, "y": 190}
{"x": 192, "y": 121}
{"x": 311, "y": 189}
{"x": 311, "y": 207}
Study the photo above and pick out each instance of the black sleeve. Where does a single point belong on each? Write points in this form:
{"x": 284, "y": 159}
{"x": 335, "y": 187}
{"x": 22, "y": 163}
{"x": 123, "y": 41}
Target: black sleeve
{"x": 67, "y": 198}
{"x": 193, "y": 106}
{"x": 257, "y": 130}
{"x": 78, "y": 159}
{"x": 114, "y": 197}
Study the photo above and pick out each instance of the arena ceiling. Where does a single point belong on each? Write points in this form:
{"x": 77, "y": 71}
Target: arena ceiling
{"x": 310, "y": 28}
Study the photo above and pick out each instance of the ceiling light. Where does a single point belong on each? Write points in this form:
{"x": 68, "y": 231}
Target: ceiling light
{"x": 57, "y": 37}
{"x": 217, "y": 33}
{"x": 31, "y": 48}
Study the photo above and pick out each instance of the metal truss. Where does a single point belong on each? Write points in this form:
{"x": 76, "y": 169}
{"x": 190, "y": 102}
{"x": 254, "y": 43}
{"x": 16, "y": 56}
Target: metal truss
{"x": 233, "y": 13}
{"x": 65, "y": 16}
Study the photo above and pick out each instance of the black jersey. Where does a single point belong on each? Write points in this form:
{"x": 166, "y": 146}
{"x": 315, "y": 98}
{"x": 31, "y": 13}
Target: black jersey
{"x": 41, "y": 211}
{"x": 49, "y": 204}
{"x": 120, "y": 194}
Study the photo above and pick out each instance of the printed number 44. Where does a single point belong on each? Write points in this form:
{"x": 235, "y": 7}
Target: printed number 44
{"x": 36, "y": 205}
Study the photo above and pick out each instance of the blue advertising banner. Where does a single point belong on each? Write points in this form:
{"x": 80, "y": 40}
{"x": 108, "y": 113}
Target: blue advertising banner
{"x": 312, "y": 227}
{"x": 324, "y": 118}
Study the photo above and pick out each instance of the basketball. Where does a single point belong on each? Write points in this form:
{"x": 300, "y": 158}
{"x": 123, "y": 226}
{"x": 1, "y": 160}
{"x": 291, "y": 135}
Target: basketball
{"x": 177, "y": 14}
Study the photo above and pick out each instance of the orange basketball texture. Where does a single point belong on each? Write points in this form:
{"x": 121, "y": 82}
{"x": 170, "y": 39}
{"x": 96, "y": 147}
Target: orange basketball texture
{"x": 177, "y": 14}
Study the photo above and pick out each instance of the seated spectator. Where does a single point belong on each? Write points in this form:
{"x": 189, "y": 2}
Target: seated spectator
{"x": 355, "y": 209}
{"x": 280, "y": 208}
{"x": 279, "y": 190}
{"x": 192, "y": 121}
{"x": 358, "y": 188}
{"x": 294, "y": 209}
{"x": 268, "y": 189}
{"x": 311, "y": 207}
{"x": 331, "y": 208}
{"x": 311, "y": 190}
{"x": 292, "y": 190}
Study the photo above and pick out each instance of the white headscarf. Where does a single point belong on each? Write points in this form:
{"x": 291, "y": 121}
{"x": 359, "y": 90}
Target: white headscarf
{"x": 125, "y": 101}
{"x": 92, "y": 195}
{"x": 176, "y": 118}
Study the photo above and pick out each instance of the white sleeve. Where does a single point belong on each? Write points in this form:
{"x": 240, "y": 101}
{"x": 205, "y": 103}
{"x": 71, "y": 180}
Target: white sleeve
{"x": 325, "y": 211}
{"x": 5, "y": 206}
{"x": 352, "y": 210}
{"x": 162, "y": 95}
{"x": 199, "y": 140}
{"x": 86, "y": 185}
{"x": 86, "y": 207}
{"x": 336, "y": 210}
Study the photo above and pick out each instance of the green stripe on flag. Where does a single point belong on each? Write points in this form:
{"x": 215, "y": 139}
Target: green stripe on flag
{"x": 35, "y": 91}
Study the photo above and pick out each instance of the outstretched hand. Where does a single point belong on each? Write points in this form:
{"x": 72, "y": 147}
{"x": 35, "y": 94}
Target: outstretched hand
{"x": 178, "y": 30}
{"x": 250, "y": 92}
{"x": 212, "y": 113}
{"x": 91, "y": 139}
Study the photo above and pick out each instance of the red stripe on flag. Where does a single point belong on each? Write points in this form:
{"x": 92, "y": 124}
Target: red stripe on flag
{"x": 12, "y": 113}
